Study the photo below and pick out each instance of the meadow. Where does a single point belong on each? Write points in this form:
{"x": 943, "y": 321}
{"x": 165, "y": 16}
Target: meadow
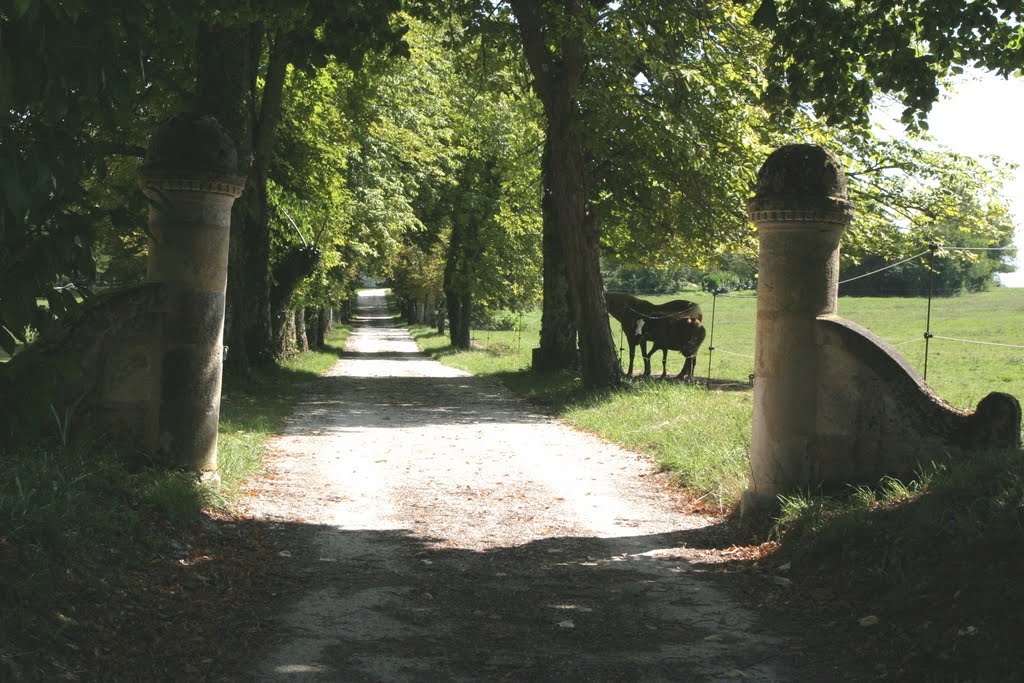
{"x": 702, "y": 435}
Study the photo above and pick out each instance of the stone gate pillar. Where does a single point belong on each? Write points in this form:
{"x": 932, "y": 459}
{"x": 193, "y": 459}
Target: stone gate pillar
{"x": 190, "y": 177}
{"x": 800, "y": 211}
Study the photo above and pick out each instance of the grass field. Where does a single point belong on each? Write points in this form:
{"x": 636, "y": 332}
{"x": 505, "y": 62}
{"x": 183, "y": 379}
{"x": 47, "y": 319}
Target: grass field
{"x": 703, "y": 436}
{"x": 962, "y": 373}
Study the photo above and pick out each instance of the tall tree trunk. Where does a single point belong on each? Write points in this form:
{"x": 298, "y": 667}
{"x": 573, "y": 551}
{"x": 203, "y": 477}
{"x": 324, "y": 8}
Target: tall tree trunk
{"x": 456, "y": 292}
{"x": 557, "y": 349}
{"x": 478, "y": 192}
{"x": 224, "y": 61}
{"x": 259, "y": 327}
{"x": 301, "y": 340}
{"x": 286, "y": 342}
{"x": 312, "y": 327}
{"x": 226, "y": 86}
{"x": 429, "y": 309}
{"x": 442, "y": 315}
{"x": 290, "y": 270}
{"x": 322, "y": 326}
{"x": 556, "y": 80}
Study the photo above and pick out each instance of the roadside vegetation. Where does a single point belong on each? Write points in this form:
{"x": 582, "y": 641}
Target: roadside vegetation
{"x": 74, "y": 517}
{"x": 922, "y": 575}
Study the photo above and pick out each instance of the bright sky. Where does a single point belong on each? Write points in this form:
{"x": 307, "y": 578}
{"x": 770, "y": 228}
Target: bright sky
{"x": 982, "y": 116}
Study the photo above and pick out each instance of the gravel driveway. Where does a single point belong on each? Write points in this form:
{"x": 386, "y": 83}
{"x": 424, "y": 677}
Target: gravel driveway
{"x": 445, "y": 530}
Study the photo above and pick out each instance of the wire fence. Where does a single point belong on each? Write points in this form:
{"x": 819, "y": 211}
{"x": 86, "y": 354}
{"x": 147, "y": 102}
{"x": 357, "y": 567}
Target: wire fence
{"x": 737, "y": 367}
{"x": 946, "y": 323}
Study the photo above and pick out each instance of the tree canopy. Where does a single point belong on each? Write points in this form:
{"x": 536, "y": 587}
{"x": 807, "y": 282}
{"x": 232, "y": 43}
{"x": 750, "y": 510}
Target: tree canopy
{"x": 838, "y": 55}
{"x": 451, "y": 149}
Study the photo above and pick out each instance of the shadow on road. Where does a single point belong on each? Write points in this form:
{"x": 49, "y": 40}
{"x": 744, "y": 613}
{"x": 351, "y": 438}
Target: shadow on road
{"x": 346, "y": 403}
{"x": 389, "y": 605}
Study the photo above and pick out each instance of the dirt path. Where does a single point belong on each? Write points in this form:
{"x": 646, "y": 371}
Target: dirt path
{"x": 443, "y": 530}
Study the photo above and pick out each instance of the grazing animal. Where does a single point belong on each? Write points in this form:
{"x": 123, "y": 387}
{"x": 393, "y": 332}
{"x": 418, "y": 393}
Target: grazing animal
{"x": 628, "y": 310}
{"x": 676, "y": 333}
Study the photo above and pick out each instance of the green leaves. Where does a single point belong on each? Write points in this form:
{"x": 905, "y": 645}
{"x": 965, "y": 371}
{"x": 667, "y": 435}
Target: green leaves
{"x": 67, "y": 103}
{"x": 837, "y": 54}
{"x": 21, "y": 7}
{"x": 674, "y": 150}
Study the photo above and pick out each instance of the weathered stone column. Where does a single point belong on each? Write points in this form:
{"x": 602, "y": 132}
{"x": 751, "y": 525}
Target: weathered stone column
{"x": 190, "y": 177}
{"x": 800, "y": 211}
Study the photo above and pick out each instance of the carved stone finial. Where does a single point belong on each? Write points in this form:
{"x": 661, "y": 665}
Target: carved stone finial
{"x": 801, "y": 183}
{"x": 801, "y": 171}
{"x": 994, "y": 425}
{"x": 192, "y": 141}
{"x": 191, "y": 152}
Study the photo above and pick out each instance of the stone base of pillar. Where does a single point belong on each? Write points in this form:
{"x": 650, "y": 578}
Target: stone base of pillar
{"x": 757, "y": 505}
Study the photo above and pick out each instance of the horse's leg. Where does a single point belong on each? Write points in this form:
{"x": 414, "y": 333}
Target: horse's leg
{"x": 686, "y": 374}
{"x": 646, "y": 355}
{"x": 664, "y": 362}
{"x": 632, "y": 354}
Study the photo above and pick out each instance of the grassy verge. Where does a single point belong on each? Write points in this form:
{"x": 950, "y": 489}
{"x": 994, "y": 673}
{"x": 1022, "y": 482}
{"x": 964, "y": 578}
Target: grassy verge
{"x": 253, "y": 409}
{"x": 74, "y": 518}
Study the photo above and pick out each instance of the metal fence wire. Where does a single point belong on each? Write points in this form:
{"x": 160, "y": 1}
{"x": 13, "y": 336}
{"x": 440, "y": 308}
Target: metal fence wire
{"x": 927, "y": 336}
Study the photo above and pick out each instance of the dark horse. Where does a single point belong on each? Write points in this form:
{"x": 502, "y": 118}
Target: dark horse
{"x": 629, "y": 310}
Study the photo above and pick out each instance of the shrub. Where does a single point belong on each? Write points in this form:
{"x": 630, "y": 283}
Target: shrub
{"x": 495, "y": 321}
{"x": 722, "y": 281}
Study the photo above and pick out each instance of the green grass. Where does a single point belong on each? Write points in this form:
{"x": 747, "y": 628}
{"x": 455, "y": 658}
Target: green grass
{"x": 978, "y": 498}
{"x": 703, "y": 437}
{"x": 959, "y": 372}
{"x": 700, "y": 436}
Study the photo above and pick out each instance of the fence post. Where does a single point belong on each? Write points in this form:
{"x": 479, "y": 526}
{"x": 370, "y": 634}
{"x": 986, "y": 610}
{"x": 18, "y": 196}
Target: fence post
{"x": 711, "y": 341}
{"x": 519, "y": 334}
{"x": 928, "y": 323}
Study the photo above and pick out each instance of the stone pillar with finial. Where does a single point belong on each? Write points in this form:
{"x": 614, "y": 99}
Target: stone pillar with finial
{"x": 191, "y": 180}
{"x": 833, "y": 403}
{"x": 800, "y": 211}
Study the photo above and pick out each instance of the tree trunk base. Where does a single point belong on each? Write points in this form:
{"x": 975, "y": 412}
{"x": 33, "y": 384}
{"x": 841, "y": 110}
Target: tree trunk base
{"x": 543, "y": 360}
